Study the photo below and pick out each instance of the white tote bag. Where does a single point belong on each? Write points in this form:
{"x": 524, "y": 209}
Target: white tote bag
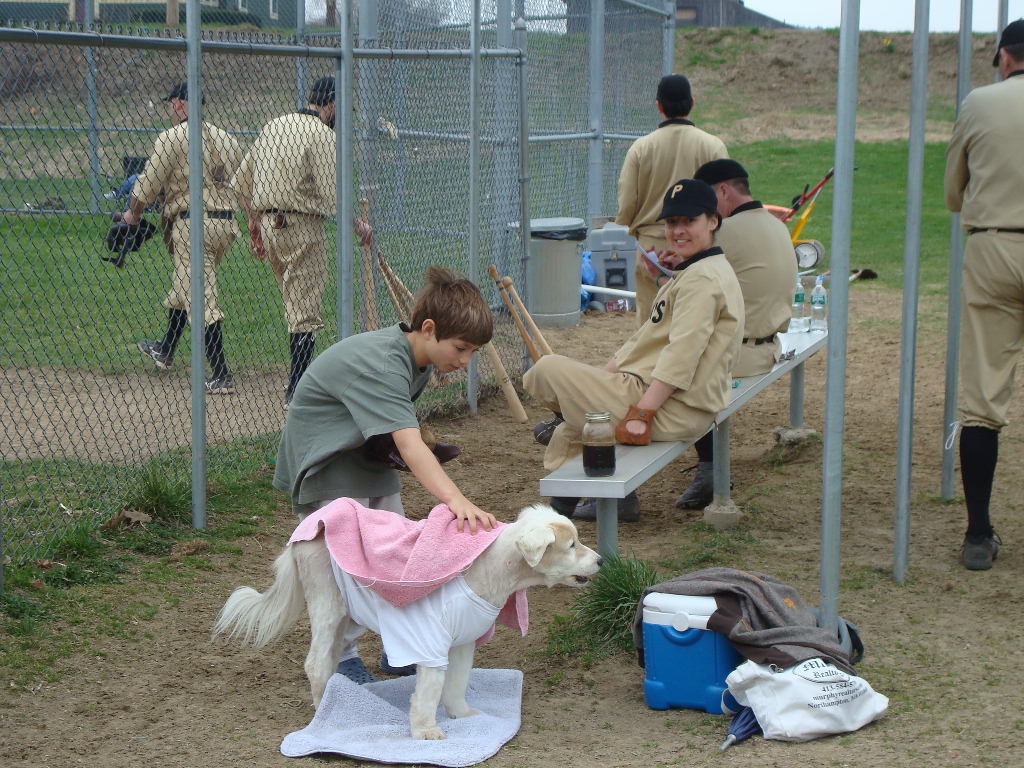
{"x": 805, "y": 701}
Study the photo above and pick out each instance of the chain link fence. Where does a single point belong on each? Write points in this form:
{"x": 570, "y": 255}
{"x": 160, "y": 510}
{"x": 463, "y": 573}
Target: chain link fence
{"x": 86, "y": 410}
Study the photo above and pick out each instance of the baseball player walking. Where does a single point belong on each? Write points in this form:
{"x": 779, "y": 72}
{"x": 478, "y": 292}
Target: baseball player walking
{"x": 166, "y": 177}
{"x": 984, "y": 179}
{"x": 286, "y": 184}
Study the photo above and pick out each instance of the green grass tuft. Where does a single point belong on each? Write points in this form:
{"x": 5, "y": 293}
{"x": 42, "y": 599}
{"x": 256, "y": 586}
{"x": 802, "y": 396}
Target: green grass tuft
{"x": 164, "y": 498}
{"x": 601, "y": 620}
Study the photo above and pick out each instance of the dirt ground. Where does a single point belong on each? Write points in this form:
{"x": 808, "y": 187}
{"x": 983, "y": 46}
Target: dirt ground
{"x": 940, "y": 645}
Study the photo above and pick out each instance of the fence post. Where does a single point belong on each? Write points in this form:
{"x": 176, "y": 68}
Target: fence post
{"x": 197, "y": 306}
{"x": 595, "y": 168}
{"x": 524, "y": 150}
{"x": 344, "y": 85}
{"x": 300, "y": 64}
{"x": 474, "y": 180}
{"x": 367, "y": 79}
{"x": 93, "y": 133}
{"x": 503, "y": 212}
{"x": 668, "y": 39}
{"x": 954, "y": 310}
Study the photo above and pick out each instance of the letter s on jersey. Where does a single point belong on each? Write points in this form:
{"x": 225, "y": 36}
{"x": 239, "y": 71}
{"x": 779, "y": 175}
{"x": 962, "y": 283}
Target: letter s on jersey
{"x": 659, "y": 311}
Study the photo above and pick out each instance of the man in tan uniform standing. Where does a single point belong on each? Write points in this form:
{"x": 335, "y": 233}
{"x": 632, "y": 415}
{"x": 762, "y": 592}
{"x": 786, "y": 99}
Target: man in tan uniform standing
{"x": 675, "y": 150}
{"x": 670, "y": 379}
{"x": 984, "y": 182}
{"x": 286, "y": 184}
{"x": 166, "y": 177}
{"x": 760, "y": 251}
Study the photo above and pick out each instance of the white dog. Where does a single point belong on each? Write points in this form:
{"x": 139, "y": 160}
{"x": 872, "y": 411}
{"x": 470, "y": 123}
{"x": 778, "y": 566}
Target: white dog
{"x": 541, "y": 547}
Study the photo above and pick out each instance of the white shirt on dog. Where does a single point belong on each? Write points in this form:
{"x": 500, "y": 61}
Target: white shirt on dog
{"x": 423, "y": 631}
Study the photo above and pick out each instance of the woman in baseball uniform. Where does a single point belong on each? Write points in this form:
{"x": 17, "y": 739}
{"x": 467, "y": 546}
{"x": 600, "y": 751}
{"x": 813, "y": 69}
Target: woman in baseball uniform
{"x": 669, "y": 380}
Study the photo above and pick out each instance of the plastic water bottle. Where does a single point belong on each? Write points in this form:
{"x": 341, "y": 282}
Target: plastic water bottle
{"x": 798, "y": 322}
{"x": 819, "y": 305}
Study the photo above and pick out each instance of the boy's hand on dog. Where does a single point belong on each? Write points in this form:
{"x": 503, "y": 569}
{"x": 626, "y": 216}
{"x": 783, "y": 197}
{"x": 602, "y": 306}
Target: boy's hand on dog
{"x": 466, "y": 511}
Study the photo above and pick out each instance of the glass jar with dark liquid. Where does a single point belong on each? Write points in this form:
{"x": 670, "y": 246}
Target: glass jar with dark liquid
{"x": 598, "y": 445}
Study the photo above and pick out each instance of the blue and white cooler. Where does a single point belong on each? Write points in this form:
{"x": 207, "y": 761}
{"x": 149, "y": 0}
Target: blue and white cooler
{"x": 685, "y": 663}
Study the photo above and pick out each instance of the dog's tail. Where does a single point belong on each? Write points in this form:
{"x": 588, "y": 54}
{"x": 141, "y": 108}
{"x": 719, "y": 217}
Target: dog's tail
{"x": 261, "y": 618}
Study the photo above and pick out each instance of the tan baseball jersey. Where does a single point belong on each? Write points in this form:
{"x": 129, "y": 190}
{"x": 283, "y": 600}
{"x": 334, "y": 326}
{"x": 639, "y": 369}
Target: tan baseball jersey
{"x": 758, "y": 247}
{"x": 290, "y": 167}
{"x": 166, "y": 172}
{"x": 693, "y": 334}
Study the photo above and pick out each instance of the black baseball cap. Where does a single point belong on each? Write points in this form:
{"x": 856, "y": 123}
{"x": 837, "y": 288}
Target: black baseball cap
{"x": 689, "y": 197}
{"x": 1012, "y": 35}
{"x": 674, "y": 88}
{"x": 717, "y": 171}
{"x": 180, "y": 91}
{"x": 322, "y": 92}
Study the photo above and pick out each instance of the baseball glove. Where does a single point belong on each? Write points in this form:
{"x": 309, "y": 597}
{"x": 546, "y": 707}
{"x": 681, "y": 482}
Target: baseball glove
{"x": 122, "y": 239}
{"x": 625, "y": 437}
{"x": 382, "y": 449}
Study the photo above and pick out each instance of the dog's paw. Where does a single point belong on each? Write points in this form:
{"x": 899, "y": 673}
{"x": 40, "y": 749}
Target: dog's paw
{"x": 463, "y": 711}
{"x": 433, "y": 733}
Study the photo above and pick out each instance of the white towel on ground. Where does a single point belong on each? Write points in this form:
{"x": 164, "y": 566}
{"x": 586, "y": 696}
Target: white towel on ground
{"x": 371, "y": 722}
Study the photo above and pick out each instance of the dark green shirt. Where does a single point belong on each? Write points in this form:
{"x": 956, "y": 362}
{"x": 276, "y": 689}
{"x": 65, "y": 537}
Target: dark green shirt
{"x": 362, "y": 386}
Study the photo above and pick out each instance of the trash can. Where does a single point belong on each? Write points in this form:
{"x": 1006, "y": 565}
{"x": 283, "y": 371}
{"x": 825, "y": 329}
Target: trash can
{"x": 553, "y": 271}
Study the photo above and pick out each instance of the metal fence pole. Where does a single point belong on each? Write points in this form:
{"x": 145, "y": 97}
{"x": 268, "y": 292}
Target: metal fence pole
{"x": 344, "y": 91}
{"x": 474, "y": 181}
{"x": 911, "y": 259}
{"x": 835, "y": 385}
{"x": 595, "y": 169}
{"x": 668, "y": 38}
{"x": 90, "y": 108}
{"x": 956, "y": 276}
{"x": 1001, "y": 19}
{"x": 504, "y": 166}
{"x": 300, "y": 63}
{"x": 197, "y": 305}
{"x": 524, "y": 147}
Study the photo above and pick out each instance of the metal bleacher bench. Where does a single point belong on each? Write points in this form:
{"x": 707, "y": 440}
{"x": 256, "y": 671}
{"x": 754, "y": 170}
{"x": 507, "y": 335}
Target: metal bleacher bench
{"x": 635, "y": 464}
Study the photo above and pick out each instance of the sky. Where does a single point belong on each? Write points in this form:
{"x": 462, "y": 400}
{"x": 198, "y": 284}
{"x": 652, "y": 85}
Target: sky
{"x": 886, "y": 15}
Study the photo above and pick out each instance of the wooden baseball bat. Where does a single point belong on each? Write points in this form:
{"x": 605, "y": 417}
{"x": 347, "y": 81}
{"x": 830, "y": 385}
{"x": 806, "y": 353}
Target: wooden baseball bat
{"x": 400, "y": 295}
{"x": 531, "y": 348}
{"x": 369, "y": 293}
{"x": 515, "y": 405}
{"x": 542, "y": 343}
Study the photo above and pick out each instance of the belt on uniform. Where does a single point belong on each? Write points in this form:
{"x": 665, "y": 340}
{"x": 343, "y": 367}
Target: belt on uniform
{"x": 284, "y": 212}
{"x": 759, "y": 342}
{"x": 972, "y": 230}
{"x": 210, "y": 214}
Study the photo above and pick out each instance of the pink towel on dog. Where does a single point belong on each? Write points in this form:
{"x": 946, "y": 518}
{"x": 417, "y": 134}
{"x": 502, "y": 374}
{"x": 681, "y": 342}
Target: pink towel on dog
{"x": 402, "y": 560}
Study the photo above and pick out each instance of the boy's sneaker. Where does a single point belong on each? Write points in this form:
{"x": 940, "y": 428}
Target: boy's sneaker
{"x": 387, "y": 669}
{"x": 978, "y": 555}
{"x": 221, "y": 385}
{"x": 155, "y": 351}
{"x": 356, "y": 671}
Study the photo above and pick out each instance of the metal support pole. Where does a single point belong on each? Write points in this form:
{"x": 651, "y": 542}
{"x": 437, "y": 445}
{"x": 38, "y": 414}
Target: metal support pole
{"x": 911, "y": 260}
{"x": 524, "y": 157}
{"x": 1001, "y": 19}
{"x": 472, "y": 376}
{"x": 668, "y": 39}
{"x": 197, "y": 307}
{"x": 835, "y": 385}
{"x": 504, "y": 167}
{"x": 595, "y": 167}
{"x": 368, "y": 78}
{"x": 344, "y": 86}
{"x": 300, "y": 63}
{"x": 90, "y": 107}
{"x": 956, "y": 275}
{"x": 796, "y": 397}
{"x": 720, "y": 457}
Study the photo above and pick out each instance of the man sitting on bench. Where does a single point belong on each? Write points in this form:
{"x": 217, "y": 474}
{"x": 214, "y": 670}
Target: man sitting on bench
{"x": 759, "y": 249}
{"x": 672, "y": 376}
